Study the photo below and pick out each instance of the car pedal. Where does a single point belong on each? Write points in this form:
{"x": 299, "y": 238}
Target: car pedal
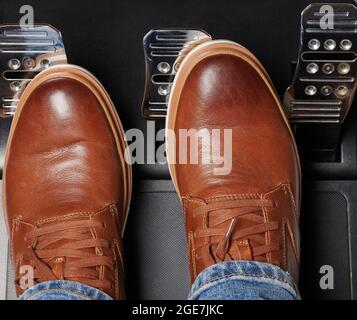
{"x": 164, "y": 49}
{"x": 24, "y": 52}
{"x": 324, "y": 82}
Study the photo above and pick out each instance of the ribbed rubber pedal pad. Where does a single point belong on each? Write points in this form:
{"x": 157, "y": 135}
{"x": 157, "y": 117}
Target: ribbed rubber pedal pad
{"x": 324, "y": 82}
{"x": 164, "y": 50}
{"x": 24, "y": 52}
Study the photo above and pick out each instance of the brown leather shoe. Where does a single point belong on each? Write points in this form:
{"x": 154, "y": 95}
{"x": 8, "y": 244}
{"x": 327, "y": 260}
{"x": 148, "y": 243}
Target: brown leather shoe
{"x": 66, "y": 185}
{"x": 253, "y": 212}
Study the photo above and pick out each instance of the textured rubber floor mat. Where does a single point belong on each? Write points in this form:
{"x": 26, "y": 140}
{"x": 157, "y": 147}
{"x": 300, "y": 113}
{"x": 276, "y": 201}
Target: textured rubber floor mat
{"x": 326, "y": 242}
{"x": 155, "y": 243}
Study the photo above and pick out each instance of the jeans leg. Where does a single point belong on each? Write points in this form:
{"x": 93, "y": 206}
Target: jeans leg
{"x": 63, "y": 290}
{"x": 244, "y": 280}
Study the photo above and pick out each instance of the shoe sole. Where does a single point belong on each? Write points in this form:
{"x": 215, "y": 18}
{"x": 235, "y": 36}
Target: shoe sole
{"x": 202, "y": 51}
{"x": 93, "y": 84}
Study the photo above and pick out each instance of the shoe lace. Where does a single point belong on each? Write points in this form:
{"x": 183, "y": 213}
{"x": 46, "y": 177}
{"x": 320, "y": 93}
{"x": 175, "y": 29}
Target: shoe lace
{"x": 74, "y": 247}
{"x": 232, "y": 212}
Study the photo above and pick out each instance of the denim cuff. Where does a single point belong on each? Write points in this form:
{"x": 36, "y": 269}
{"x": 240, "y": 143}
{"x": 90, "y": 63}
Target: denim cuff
{"x": 244, "y": 280}
{"x": 63, "y": 290}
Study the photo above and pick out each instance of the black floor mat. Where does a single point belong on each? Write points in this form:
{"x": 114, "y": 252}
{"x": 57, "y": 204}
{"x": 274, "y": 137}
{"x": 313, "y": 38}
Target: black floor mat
{"x": 155, "y": 242}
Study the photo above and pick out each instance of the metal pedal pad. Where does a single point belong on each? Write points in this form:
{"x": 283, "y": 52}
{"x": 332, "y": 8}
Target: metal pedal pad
{"x": 164, "y": 50}
{"x": 324, "y": 82}
{"x": 24, "y": 52}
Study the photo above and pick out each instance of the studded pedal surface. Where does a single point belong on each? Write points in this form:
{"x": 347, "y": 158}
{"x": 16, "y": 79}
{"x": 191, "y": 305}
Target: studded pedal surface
{"x": 164, "y": 49}
{"x": 24, "y": 52}
{"x": 324, "y": 82}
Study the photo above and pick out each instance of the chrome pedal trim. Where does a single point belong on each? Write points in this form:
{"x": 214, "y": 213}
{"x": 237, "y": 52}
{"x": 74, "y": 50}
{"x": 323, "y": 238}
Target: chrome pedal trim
{"x": 24, "y": 52}
{"x": 325, "y": 76}
{"x": 164, "y": 49}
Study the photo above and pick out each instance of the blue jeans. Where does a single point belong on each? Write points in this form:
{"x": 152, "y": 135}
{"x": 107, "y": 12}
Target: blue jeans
{"x": 234, "y": 280}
